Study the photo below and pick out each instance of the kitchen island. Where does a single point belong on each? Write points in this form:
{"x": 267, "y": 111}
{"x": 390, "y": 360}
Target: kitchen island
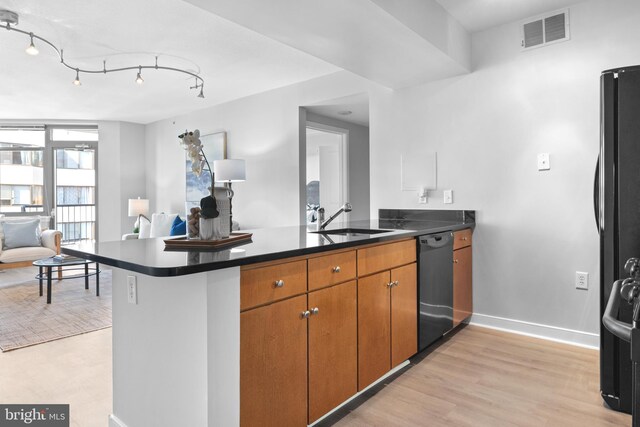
{"x": 177, "y": 317}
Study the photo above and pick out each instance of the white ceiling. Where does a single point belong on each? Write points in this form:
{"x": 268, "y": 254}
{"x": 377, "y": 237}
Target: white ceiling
{"x": 234, "y": 61}
{"x": 478, "y": 15}
{"x": 380, "y": 40}
{"x": 358, "y": 104}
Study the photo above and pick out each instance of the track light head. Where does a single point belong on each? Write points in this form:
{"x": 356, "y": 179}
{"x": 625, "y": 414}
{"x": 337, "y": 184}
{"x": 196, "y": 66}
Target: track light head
{"x": 32, "y": 49}
{"x": 77, "y": 81}
{"x": 201, "y": 94}
{"x": 139, "y": 78}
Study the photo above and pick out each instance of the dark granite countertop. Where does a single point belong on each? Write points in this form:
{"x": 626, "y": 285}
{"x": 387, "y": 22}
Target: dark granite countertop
{"x": 149, "y": 256}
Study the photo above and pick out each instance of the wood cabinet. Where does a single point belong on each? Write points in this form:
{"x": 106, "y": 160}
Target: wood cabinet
{"x": 333, "y": 348}
{"x": 383, "y": 257}
{"x": 462, "y": 239}
{"x": 404, "y": 314}
{"x": 330, "y": 269}
{"x": 374, "y": 328}
{"x": 387, "y": 309}
{"x": 273, "y": 364}
{"x": 264, "y": 284}
{"x": 314, "y": 331}
{"x": 462, "y": 278}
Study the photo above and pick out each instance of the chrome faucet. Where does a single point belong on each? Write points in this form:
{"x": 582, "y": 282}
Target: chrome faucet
{"x": 346, "y": 208}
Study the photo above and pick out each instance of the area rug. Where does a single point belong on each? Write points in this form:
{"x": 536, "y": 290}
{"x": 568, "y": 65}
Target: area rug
{"x": 26, "y": 319}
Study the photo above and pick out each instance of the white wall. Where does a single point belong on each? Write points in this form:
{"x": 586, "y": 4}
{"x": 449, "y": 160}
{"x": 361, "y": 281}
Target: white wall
{"x": 121, "y": 176}
{"x": 535, "y": 229}
{"x": 262, "y": 129}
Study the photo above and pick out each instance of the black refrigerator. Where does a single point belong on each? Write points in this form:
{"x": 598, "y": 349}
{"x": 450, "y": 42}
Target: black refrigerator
{"x": 617, "y": 210}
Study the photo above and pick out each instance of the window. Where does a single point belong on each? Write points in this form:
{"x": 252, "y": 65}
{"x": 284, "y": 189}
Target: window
{"x": 75, "y": 195}
{"x": 74, "y": 159}
{"x": 22, "y": 170}
{"x": 51, "y": 169}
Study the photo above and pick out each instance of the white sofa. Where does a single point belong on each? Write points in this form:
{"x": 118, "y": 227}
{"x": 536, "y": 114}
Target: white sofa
{"x": 24, "y": 257}
{"x": 159, "y": 226}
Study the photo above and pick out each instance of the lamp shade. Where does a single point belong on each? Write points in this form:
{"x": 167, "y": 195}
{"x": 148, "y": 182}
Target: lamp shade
{"x": 229, "y": 170}
{"x": 138, "y": 207}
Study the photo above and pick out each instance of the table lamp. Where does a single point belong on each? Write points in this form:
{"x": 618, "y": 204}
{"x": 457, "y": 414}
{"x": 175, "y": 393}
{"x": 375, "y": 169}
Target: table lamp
{"x": 140, "y": 208}
{"x": 228, "y": 171}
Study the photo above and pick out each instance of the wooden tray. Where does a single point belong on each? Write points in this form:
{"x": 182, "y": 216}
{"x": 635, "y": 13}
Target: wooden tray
{"x": 184, "y": 243}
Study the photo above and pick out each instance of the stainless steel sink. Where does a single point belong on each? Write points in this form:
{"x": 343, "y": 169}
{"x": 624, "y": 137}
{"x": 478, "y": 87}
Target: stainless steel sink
{"x": 351, "y": 232}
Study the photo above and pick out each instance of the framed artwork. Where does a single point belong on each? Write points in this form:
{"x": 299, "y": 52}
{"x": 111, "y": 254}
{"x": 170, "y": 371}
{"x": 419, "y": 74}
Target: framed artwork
{"x": 215, "y": 148}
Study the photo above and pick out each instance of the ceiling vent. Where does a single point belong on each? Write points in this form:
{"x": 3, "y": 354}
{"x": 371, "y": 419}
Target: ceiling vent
{"x": 547, "y": 29}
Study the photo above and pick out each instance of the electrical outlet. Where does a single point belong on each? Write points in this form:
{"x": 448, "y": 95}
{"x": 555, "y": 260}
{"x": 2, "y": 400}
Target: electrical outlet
{"x": 582, "y": 280}
{"x": 448, "y": 196}
{"x": 132, "y": 290}
{"x": 543, "y": 162}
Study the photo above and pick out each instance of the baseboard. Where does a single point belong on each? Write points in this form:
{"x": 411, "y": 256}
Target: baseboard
{"x": 115, "y": 421}
{"x": 387, "y": 375}
{"x": 551, "y": 333}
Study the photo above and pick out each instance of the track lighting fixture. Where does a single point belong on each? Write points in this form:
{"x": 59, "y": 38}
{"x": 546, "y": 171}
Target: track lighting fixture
{"x": 139, "y": 78}
{"x": 77, "y": 81}
{"x": 9, "y": 20}
{"x": 32, "y": 49}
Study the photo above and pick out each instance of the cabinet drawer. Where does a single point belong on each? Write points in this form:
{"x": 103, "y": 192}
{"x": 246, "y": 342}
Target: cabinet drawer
{"x": 266, "y": 284}
{"x": 331, "y": 269}
{"x": 461, "y": 239}
{"x": 385, "y": 257}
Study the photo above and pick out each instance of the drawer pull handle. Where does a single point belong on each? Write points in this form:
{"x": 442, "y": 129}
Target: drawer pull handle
{"x": 315, "y": 310}
{"x": 336, "y": 269}
{"x": 396, "y": 283}
{"x": 305, "y": 314}
{"x": 390, "y": 285}
{"x": 455, "y": 261}
{"x": 464, "y": 238}
{"x": 279, "y": 283}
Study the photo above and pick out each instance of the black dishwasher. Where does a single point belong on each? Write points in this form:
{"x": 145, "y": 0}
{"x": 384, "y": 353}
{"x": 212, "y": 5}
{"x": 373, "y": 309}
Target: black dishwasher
{"x": 435, "y": 287}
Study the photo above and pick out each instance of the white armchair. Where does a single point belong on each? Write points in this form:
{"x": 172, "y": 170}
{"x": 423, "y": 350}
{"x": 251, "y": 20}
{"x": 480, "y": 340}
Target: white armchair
{"x": 24, "y": 256}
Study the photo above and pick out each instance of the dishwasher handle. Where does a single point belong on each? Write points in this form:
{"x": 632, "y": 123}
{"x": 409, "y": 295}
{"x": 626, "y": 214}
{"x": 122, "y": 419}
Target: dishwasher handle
{"x": 436, "y": 240}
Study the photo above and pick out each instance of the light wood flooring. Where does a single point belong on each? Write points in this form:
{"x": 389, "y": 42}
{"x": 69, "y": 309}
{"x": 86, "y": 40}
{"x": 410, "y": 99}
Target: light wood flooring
{"x": 479, "y": 377}
{"x": 483, "y": 377}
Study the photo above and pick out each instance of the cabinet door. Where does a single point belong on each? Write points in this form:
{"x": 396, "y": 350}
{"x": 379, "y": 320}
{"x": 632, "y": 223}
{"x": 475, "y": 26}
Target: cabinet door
{"x": 404, "y": 313}
{"x": 333, "y": 351}
{"x": 374, "y": 335}
{"x": 462, "y": 286}
{"x": 273, "y": 365}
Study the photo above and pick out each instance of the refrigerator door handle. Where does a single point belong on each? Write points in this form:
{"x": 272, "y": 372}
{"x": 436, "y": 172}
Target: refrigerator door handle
{"x": 596, "y": 194}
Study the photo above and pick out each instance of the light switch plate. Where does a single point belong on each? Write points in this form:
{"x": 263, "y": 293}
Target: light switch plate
{"x": 543, "y": 162}
{"x": 422, "y": 196}
{"x": 132, "y": 290}
{"x": 448, "y": 196}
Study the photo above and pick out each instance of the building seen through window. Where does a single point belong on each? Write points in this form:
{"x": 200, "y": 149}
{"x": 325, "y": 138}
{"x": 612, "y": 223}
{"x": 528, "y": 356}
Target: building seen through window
{"x": 62, "y": 186}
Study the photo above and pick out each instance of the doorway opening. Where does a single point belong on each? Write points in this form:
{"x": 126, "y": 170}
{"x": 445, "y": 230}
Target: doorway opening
{"x": 327, "y": 176}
